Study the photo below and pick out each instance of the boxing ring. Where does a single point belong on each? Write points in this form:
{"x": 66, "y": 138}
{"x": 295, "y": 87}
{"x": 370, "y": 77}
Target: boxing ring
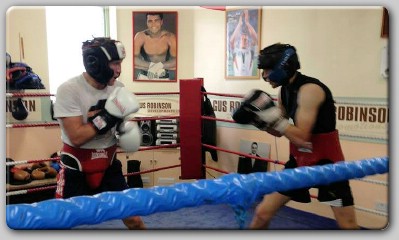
{"x": 240, "y": 191}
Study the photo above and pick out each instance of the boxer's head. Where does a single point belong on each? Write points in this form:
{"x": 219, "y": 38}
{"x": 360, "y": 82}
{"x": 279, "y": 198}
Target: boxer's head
{"x": 98, "y": 53}
{"x": 280, "y": 62}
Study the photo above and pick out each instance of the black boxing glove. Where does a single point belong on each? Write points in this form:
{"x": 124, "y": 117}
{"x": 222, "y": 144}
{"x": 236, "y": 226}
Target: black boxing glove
{"x": 254, "y": 101}
{"x": 103, "y": 121}
{"x": 19, "y": 112}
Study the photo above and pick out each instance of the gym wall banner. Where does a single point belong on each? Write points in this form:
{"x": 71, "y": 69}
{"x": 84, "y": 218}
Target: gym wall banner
{"x": 366, "y": 120}
{"x": 151, "y": 106}
{"x": 358, "y": 119}
{"x": 38, "y": 109}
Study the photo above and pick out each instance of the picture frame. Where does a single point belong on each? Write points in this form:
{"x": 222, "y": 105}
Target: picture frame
{"x": 248, "y": 165}
{"x": 155, "y": 46}
{"x": 385, "y": 24}
{"x": 242, "y": 35}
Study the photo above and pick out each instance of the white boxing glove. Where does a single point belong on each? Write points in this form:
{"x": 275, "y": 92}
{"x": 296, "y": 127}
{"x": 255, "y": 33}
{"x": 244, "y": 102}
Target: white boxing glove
{"x": 121, "y": 102}
{"x": 273, "y": 119}
{"x": 155, "y": 70}
{"x": 129, "y": 136}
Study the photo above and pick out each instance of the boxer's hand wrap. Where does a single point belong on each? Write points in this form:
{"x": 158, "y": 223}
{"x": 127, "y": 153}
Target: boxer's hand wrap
{"x": 103, "y": 121}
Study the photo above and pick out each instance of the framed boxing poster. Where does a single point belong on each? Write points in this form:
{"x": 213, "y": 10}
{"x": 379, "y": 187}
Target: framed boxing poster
{"x": 385, "y": 24}
{"x": 155, "y": 46}
{"x": 242, "y": 43}
{"x": 248, "y": 164}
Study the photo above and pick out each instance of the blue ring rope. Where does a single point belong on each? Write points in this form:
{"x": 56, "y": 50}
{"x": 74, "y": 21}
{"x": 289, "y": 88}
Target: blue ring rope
{"x": 238, "y": 190}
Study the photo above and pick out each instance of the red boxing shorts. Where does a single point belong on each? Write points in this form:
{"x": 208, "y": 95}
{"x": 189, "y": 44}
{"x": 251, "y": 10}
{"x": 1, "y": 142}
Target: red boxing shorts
{"x": 92, "y": 162}
{"x": 325, "y": 146}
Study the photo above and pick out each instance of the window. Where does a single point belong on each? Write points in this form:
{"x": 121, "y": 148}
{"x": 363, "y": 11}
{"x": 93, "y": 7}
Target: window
{"x": 67, "y": 28}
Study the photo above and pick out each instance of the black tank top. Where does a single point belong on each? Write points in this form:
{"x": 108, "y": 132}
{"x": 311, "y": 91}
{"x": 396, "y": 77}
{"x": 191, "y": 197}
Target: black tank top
{"x": 326, "y": 119}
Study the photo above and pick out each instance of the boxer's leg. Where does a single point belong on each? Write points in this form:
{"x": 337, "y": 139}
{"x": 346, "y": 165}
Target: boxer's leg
{"x": 339, "y": 196}
{"x": 115, "y": 181}
{"x": 267, "y": 209}
{"x": 346, "y": 217}
{"x": 134, "y": 223}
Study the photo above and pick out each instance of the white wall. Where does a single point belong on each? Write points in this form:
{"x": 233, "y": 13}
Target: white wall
{"x": 28, "y": 23}
{"x": 340, "y": 46}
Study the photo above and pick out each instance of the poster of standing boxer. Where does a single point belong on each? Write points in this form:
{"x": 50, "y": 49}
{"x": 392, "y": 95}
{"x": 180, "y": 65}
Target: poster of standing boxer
{"x": 242, "y": 43}
{"x": 155, "y": 46}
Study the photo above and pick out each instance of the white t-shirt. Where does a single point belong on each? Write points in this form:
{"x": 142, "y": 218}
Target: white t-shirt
{"x": 243, "y": 62}
{"x": 74, "y": 98}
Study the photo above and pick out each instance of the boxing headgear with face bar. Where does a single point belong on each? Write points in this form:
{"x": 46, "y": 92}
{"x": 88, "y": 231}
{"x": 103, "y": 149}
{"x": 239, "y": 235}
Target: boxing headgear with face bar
{"x": 97, "y": 54}
{"x": 281, "y": 59}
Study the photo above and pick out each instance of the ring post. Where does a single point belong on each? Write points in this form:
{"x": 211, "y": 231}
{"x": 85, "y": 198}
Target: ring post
{"x": 190, "y": 128}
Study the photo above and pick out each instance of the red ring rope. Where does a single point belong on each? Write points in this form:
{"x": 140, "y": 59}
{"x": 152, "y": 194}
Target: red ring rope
{"x": 32, "y": 161}
{"x": 17, "y": 94}
{"x": 216, "y": 169}
{"x": 157, "y": 93}
{"x": 157, "y": 147}
{"x": 24, "y": 125}
{"x": 58, "y": 158}
{"x": 39, "y": 189}
{"x": 228, "y": 95}
{"x": 31, "y": 190}
{"x": 29, "y": 94}
{"x": 152, "y": 170}
{"x": 224, "y": 94}
{"x": 217, "y": 119}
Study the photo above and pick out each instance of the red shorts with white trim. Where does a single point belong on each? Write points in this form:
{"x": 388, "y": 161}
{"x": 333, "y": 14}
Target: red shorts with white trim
{"x": 84, "y": 172}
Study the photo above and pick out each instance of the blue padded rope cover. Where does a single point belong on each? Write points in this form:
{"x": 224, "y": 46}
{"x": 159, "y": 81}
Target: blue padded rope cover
{"x": 234, "y": 189}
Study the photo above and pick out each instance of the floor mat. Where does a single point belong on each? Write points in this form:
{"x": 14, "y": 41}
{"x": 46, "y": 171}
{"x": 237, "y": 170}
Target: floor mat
{"x": 222, "y": 217}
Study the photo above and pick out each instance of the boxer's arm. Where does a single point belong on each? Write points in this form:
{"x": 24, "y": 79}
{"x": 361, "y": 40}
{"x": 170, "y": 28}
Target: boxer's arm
{"x": 310, "y": 97}
{"x": 67, "y": 111}
{"x": 78, "y": 132}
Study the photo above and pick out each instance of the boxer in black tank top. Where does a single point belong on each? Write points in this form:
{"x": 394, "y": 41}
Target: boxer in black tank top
{"x": 306, "y": 116}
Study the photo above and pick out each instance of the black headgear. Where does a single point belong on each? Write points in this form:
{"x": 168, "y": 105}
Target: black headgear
{"x": 97, "y": 53}
{"x": 281, "y": 59}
